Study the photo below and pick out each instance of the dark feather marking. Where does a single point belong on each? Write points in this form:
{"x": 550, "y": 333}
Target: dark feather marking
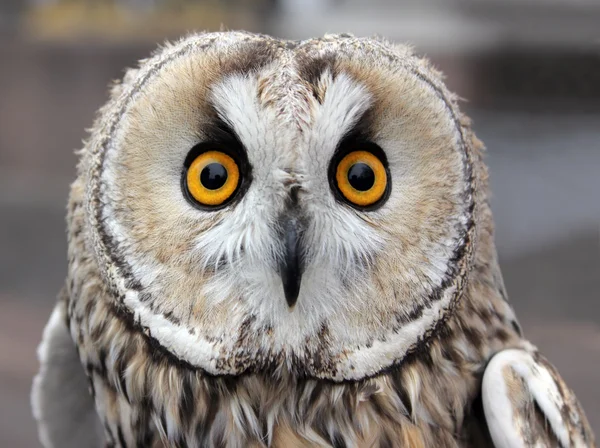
{"x": 473, "y": 336}
{"x": 207, "y": 419}
{"x": 109, "y": 435}
{"x": 540, "y": 423}
{"x": 171, "y": 318}
{"x": 91, "y": 386}
{"x": 338, "y": 440}
{"x": 316, "y": 393}
{"x": 163, "y": 419}
{"x": 121, "y": 438}
{"x": 515, "y": 325}
{"x": 98, "y": 330}
{"x": 320, "y": 425}
{"x": 312, "y": 69}
{"x": 402, "y": 393}
{"x": 502, "y": 335}
{"x": 144, "y": 435}
{"x": 476, "y": 424}
{"x": 386, "y": 441}
{"x": 187, "y": 400}
{"x": 250, "y": 57}
{"x": 102, "y": 359}
{"x": 121, "y": 367}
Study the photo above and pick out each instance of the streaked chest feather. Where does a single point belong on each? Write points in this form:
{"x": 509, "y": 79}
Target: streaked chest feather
{"x": 147, "y": 398}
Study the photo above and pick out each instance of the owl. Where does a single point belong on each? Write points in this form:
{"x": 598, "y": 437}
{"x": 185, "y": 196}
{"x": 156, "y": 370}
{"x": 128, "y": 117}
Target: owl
{"x": 288, "y": 244}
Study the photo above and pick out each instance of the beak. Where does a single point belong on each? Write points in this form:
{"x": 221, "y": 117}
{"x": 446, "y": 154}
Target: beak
{"x": 290, "y": 267}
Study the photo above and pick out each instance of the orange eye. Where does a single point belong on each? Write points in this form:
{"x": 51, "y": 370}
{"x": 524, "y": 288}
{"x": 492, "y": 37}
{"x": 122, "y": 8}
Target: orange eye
{"x": 361, "y": 178}
{"x": 212, "y": 178}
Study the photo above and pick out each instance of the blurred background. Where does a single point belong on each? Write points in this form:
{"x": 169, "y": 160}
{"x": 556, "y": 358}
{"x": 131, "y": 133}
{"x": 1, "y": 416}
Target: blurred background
{"x": 528, "y": 69}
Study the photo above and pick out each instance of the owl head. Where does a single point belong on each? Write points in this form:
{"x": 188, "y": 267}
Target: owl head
{"x": 256, "y": 204}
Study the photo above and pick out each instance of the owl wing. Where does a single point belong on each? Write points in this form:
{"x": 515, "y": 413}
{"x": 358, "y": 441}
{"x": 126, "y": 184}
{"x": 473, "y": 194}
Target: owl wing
{"x": 527, "y": 404}
{"x": 62, "y": 405}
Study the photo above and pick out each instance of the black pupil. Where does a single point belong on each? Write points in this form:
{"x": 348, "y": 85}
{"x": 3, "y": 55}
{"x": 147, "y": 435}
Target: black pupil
{"x": 213, "y": 176}
{"x": 361, "y": 176}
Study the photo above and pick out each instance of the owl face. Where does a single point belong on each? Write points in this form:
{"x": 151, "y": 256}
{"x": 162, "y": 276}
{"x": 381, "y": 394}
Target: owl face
{"x": 257, "y": 204}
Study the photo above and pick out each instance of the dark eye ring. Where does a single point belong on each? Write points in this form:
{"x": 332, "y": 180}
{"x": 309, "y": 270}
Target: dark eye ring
{"x": 212, "y": 178}
{"x": 214, "y": 174}
{"x": 360, "y": 176}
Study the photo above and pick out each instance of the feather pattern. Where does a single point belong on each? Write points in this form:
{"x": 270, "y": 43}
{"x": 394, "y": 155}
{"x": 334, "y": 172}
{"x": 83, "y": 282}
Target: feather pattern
{"x": 527, "y": 403}
{"x": 175, "y": 317}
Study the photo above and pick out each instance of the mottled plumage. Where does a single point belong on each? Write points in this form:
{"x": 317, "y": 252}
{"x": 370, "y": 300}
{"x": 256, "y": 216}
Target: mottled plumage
{"x": 187, "y": 320}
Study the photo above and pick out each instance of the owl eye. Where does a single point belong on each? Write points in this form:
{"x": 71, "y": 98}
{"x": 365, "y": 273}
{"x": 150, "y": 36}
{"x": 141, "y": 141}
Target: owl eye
{"x": 212, "y": 178}
{"x": 361, "y": 178}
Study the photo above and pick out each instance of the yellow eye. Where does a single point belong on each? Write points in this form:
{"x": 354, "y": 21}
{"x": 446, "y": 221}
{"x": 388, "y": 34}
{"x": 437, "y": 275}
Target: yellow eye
{"x": 361, "y": 178}
{"x": 212, "y": 178}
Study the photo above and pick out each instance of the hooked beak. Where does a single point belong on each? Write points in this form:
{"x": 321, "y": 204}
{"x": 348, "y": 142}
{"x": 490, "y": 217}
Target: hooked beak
{"x": 290, "y": 267}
